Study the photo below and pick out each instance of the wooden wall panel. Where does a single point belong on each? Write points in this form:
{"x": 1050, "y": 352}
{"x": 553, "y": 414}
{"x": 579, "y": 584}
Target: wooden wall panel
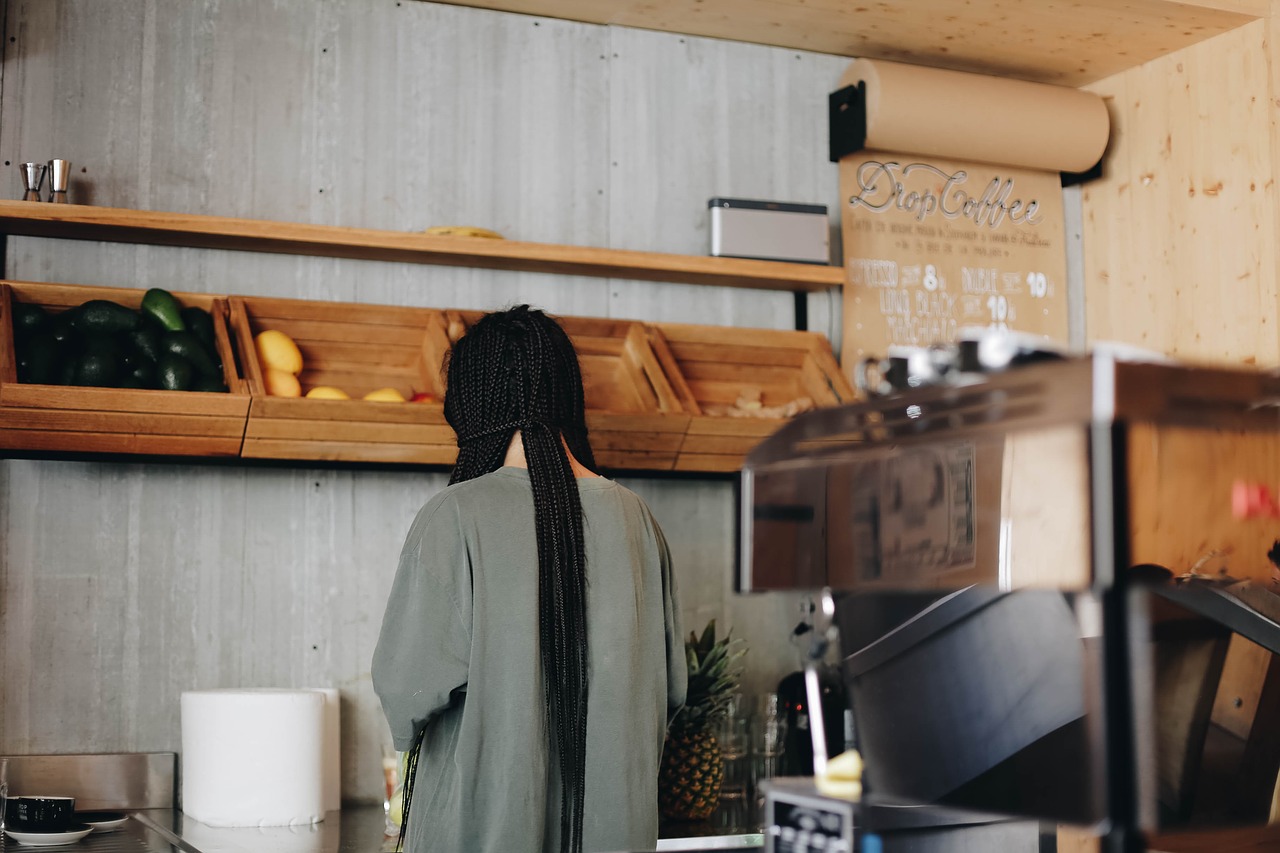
{"x": 1180, "y": 511}
{"x": 1180, "y": 233}
{"x": 121, "y": 585}
{"x": 1180, "y": 257}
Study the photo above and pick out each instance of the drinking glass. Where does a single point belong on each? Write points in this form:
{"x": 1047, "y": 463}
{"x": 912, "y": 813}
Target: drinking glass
{"x": 769, "y": 732}
{"x": 735, "y": 749}
{"x": 393, "y": 802}
{"x": 4, "y": 789}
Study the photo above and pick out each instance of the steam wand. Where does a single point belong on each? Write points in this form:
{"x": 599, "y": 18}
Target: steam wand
{"x": 822, "y": 636}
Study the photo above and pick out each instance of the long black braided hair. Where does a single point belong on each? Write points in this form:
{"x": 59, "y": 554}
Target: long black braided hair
{"x": 517, "y": 370}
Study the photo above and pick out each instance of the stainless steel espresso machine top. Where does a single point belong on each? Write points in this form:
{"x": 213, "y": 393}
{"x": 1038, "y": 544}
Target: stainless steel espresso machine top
{"x": 1034, "y": 577}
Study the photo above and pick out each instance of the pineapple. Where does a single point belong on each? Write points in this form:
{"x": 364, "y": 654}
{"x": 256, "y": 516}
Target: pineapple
{"x": 692, "y": 767}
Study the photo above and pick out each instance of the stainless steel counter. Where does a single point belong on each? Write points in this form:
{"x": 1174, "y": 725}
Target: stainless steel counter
{"x": 169, "y": 831}
{"x": 143, "y": 786}
{"x": 352, "y": 830}
{"x": 695, "y": 844}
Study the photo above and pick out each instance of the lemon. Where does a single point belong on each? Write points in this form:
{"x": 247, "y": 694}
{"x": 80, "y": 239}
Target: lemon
{"x": 389, "y": 395}
{"x": 280, "y": 383}
{"x": 327, "y": 392}
{"x": 277, "y": 350}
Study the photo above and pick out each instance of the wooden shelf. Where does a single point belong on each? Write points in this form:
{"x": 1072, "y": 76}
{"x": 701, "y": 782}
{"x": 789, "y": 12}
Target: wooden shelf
{"x": 659, "y": 397}
{"x": 1066, "y": 42}
{"x": 119, "y": 225}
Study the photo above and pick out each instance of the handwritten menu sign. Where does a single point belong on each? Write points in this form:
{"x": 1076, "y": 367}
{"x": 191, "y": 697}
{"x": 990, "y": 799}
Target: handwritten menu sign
{"x": 935, "y": 246}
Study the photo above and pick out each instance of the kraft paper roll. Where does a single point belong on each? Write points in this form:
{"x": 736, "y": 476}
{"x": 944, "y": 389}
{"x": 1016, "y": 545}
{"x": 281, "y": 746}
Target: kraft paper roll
{"x": 973, "y": 117}
{"x": 253, "y": 757}
{"x": 331, "y": 769}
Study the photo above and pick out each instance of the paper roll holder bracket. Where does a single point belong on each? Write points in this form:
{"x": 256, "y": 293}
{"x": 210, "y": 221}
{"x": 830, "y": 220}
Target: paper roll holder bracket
{"x": 847, "y": 121}
{"x": 847, "y": 130}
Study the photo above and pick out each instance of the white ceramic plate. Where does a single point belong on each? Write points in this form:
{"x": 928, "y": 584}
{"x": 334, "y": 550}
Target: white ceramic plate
{"x": 101, "y": 824}
{"x": 48, "y": 839}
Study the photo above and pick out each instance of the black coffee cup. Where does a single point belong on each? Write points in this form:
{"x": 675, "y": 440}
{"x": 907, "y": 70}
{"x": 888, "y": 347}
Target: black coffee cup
{"x": 39, "y": 814}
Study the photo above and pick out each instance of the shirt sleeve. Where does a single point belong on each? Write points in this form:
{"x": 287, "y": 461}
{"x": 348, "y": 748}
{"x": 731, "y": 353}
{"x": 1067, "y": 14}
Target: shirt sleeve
{"x": 677, "y": 666}
{"x": 421, "y": 659}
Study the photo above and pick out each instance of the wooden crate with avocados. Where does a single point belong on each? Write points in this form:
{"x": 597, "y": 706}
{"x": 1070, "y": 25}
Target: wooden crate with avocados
{"x": 348, "y": 382}
{"x": 117, "y": 370}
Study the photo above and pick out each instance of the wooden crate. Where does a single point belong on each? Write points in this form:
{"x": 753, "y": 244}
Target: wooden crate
{"x": 77, "y": 419}
{"x": 634, "y": 417}
{"x": 358, "y": 348}
{"x": 717, "y": 371}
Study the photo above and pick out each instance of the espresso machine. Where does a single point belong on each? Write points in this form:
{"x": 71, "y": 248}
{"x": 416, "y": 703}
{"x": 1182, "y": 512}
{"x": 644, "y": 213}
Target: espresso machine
{"x": 1038, "y": 577}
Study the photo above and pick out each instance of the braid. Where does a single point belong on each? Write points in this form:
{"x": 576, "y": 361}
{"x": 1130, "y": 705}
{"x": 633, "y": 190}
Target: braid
{"x": 517, "y": 369}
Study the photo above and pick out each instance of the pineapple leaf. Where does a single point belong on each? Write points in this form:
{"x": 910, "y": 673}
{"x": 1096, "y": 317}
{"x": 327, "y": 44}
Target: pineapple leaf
{"x": 715, "y": 671}
{"x": 708, "y": 640}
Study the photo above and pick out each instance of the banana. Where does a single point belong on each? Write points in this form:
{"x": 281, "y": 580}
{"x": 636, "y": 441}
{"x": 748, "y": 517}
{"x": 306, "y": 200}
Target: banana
{"x": 462, "y": 231}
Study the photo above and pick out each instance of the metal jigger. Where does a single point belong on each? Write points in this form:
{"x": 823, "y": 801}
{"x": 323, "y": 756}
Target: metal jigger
{"x": 32, "y": 178}
{"x": 59, "y": 175}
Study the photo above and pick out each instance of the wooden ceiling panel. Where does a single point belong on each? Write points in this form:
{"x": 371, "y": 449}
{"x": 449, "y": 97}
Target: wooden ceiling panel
{"x": 1067, "y": 42}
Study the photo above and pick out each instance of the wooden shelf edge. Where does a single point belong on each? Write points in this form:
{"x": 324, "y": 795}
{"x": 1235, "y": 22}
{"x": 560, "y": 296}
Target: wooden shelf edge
{"x": 121, "y": 225}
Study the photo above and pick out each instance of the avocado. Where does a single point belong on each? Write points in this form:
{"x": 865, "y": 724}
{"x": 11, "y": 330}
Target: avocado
{"x": 209, "y": 383}
{"x": 162, "y": 305}
{"x": 174, "y": 372}
{"x": 99, "y": 363}
{"x": 96, "y": 370}
{"x": 39, "y": 359}
{"x": 141, "y": 374}
{"x": 102, "y": 316}
{"x": 109, "y": 344}
{"x": 146, "y": 339}
{"x": 200, "y": 323}
{"x": 188, "y": 346}
{"x": 69, "y": 343}
{"x": 28, "y": 318}
{"x": 62, "y": 326}
{"x": 66, "y": 371}
{"x": 135, "y": 364}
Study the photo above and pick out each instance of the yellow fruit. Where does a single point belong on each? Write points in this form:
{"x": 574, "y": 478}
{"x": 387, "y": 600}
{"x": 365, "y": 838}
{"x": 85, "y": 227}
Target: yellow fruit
{"x": 843, "y": 778}
{"x": 462, "y": 231}
{"x": 277, "y": 350}
{"x": 389, "y": 395}
{"x": 838, "y": 788}
{"x": 282, "y": 384}
{"x": 847, "y": 765}
{"x": 327, "y": 392}
{"x": 396, "y": 812}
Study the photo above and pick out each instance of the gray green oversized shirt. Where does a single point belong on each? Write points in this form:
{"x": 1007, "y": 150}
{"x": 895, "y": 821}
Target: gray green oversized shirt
{"x": 458, "y": 653}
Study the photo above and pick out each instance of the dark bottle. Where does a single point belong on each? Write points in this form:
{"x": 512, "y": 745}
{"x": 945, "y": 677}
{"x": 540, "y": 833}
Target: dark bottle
{"x": 793, "y": 704}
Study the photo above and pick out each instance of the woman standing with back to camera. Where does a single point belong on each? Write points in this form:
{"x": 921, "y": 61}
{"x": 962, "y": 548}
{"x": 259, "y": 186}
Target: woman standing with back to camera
{"x": 531, "y": 654}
